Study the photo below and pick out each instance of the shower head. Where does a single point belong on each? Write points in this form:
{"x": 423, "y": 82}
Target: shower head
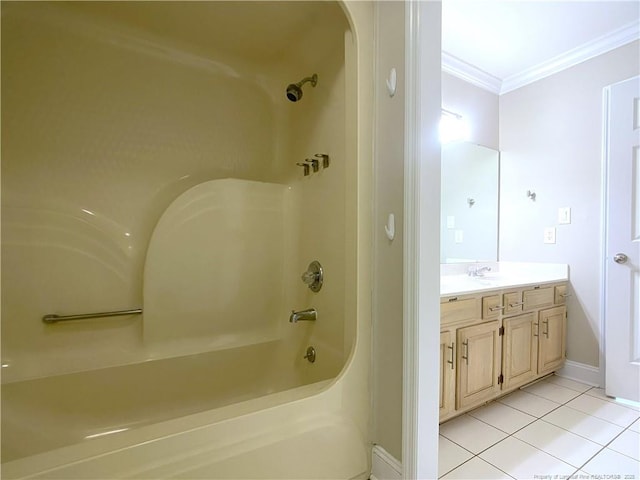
{"x": 294, "y": 90}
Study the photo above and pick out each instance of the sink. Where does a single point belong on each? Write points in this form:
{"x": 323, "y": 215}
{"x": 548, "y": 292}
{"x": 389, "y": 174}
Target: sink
{"x": 455, "y": 280}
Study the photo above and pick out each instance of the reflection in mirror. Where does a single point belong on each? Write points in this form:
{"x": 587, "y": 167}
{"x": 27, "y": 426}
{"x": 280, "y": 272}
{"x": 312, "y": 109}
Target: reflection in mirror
{"x": 469, "y": 216}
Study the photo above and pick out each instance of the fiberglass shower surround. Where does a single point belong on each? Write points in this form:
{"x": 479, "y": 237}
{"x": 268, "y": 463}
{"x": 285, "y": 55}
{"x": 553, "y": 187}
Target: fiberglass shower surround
{"x": 178, "y": 198}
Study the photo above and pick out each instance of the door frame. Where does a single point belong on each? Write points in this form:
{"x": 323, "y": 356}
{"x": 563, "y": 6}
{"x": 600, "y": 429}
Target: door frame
{"x": 421, "y": 265}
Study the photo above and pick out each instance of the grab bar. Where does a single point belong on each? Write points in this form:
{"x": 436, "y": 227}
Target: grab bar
{"x": 53, "y": 318}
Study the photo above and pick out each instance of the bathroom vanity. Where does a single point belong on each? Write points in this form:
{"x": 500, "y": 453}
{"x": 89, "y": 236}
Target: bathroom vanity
{"x": 499, "y": 330}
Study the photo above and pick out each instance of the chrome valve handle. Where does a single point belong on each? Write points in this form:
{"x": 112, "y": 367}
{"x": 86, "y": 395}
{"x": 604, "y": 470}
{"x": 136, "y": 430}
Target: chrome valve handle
{"x": 314, "y": 276}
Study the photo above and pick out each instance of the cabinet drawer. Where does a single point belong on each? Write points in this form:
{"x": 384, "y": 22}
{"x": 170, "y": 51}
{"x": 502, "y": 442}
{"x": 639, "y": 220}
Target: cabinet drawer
{"x": 512, "y": 302}
{"x": 459, "y": 310}
{"x": 537, "y": 298}
{"x": 491, "y": 306}
{"x": 560, "y": 294}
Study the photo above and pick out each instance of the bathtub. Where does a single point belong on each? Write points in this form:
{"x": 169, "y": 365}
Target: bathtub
{"x": 217, "y": 409}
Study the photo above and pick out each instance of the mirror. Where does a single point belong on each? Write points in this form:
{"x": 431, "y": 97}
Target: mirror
{"x": 469, "y": 215}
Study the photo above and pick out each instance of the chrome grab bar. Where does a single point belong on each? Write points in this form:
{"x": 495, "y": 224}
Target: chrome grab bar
{"x": 53, "y": 318}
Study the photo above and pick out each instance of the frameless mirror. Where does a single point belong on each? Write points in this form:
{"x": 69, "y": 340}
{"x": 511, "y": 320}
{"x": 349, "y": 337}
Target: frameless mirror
{"x": 469, "y": 215}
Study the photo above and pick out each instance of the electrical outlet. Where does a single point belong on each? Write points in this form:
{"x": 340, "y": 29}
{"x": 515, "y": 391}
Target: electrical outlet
{"x": 550, "y": 235}
{"x": 458, "y": 236}
{"x": 564, "y": 215}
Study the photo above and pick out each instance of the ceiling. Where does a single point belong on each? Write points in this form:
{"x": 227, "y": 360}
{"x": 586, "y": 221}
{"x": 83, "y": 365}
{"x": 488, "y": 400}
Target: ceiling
{"x": 501, "y": 45}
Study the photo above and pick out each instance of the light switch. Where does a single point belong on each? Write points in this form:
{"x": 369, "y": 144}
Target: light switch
{"x": 451, "y": 221}
{"x": 564, "y": 215}
{"x": 550, "y": 235}
{"x": 458, "y": 236}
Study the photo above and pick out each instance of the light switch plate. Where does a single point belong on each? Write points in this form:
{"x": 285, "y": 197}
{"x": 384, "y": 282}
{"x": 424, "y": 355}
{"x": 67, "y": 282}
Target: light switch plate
{"x": 451, "y": 221}
{"x": 550, "y": 235}
{"x": 564, "y": 215}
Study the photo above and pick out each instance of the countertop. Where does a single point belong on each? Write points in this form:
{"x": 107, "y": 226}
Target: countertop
{"x": 454, "y": 279}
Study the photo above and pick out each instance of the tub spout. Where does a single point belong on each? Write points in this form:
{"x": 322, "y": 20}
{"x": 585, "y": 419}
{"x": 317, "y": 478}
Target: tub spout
{"x": 310, "y": 315}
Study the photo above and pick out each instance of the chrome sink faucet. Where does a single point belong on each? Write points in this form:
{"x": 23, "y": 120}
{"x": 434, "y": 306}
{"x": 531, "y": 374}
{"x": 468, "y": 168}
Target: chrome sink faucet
{"x": 476, "y": 271}
{"x": 310, "y": 315}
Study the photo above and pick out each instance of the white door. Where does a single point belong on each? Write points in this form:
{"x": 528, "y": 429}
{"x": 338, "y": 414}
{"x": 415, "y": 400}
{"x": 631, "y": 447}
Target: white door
{"x": 622, "y": 240}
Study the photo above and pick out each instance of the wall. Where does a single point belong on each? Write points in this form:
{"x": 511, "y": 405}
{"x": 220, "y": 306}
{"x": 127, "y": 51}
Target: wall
{"x": 478, "y": 107}
{"x": 388, "y": 255}
{"x": 102, "y": 127}
{"x": 551, "y": 143}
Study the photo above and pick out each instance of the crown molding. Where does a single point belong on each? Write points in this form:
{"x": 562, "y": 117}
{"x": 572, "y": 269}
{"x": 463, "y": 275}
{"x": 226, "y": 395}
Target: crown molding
{"x": 467, "y": 72}
{"x": 603, "y": 44}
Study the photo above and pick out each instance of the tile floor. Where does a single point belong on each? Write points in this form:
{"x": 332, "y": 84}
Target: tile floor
{"x": 554, "y": 429}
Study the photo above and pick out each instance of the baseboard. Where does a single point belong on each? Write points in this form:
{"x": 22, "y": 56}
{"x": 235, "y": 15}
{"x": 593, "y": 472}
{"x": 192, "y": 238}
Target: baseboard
{"x": 384, "y": 466}
{"x": 581, "y": 372}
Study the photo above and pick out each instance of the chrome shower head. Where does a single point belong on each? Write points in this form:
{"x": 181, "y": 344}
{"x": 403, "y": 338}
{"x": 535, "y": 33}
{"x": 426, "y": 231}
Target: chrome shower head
{"x": 294, "y": 90}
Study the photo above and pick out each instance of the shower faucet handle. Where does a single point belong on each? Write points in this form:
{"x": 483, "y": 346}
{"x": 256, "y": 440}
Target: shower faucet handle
{"x": 314, "y": 163}
{"x": 325, "y": 159}
{"x": 306, "y": 168}
{"x": 314, "y": 276}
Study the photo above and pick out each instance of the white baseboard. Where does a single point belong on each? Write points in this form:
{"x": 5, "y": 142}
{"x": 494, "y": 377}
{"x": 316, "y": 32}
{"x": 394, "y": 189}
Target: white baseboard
{"x": 581, "y": 372}
{"x": 384, "y": 466}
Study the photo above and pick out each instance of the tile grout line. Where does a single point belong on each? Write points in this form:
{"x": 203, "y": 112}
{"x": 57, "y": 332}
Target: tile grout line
{"x": 525, "y": 426}
{"x": 540, "y": 418}
{"x": 602, "y": 447}
{"x": 482, "y": 459}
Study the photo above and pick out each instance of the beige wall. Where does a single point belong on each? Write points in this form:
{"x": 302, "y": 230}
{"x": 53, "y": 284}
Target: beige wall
{"x": 388, "y": 255}
{"x": 478, "y": 107}
{"x": 551, "y": 143}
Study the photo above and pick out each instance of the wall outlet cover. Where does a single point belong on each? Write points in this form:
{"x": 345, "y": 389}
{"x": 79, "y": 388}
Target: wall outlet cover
{"x": 550, "y": 235}
{"x": 459, "y": 236}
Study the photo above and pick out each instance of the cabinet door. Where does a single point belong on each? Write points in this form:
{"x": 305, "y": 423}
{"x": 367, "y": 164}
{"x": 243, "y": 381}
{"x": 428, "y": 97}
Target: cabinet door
{"x": 478, "y": 362}
{"x": 551, "y": 340}
{"x": 447, "y": 373}
{"x": 520, "y": 349}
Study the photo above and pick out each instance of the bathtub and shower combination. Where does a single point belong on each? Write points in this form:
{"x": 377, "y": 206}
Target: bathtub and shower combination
{"x": 193, "y": 164}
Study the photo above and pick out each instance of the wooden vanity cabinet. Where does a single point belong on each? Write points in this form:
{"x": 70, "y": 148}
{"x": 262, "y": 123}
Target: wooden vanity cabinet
{"x": 479, "y": 363}
{"x": 491, "y": 306}
{"x": 560, "y": 294}
{"x": 495, "y": 342}
{"x": 537, "y": 297}
{"x": 447, "y": 372}
{"x": 512, "y": 302}
{"x": 552, "y": 339}
{"x": 520, "y": 363}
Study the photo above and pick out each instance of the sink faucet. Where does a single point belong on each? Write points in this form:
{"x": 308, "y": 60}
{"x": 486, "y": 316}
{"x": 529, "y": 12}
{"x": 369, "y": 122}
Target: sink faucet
{"x": 310, "y": 315}
{"x": 475, "y": 271}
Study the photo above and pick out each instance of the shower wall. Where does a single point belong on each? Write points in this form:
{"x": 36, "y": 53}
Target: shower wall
{"x": 104, "y": 125}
